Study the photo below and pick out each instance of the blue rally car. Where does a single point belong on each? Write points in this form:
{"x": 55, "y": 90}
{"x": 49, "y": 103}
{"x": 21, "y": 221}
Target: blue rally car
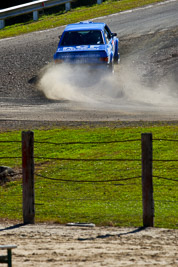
{"x": 88, "y": 43}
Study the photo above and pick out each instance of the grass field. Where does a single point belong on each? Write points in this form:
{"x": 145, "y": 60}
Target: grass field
{"x": 93, "y": 191}
{"x": 74, "y": 15}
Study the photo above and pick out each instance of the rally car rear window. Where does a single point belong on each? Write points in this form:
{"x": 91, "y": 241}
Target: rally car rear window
{"x": 85, "y": 37}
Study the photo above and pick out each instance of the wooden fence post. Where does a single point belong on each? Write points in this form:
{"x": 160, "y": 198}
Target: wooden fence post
{"x": 28, "y": 177}
{"x": 147, "y": 181}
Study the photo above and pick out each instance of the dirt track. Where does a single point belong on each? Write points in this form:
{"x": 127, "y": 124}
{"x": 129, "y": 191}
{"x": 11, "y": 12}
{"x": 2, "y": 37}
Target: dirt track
{"x": 56, "y": 245}
{"x": 154, "y": 57}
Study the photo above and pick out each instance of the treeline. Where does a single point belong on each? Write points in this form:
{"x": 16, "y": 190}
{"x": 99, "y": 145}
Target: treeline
{"x": 76, "y": 3}
{"x": 9, "y": 3}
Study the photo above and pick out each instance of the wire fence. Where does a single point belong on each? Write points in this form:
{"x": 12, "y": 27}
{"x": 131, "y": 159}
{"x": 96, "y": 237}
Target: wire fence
{"x": 99, "y": 185}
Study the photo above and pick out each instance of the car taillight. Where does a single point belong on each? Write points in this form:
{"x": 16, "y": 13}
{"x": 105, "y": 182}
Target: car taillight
{"x": 57, "y": 61}
{"x": 105, "y": 59}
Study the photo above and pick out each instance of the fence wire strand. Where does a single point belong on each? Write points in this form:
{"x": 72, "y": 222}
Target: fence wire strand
{"x": 164, "y": 139}
{"x": 10, "y": 157}
{"x": 164, "y": 178}
{"x": 165, "y": 160}
{"x": 86, "y": 181}
{"x": 85, "y": 143}
{"x": 4, "y": 141}
{"x": 81, "y": 159}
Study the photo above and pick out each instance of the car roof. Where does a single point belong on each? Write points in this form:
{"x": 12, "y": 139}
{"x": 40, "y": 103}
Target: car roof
{"x": 86, "y": 25}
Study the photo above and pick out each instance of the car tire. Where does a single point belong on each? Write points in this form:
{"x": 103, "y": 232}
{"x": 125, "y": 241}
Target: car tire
{"x": 117, "y": 59}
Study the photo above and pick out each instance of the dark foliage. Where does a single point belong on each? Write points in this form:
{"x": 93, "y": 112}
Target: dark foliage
{"x": 79, "y": 3}
{"x": 9, "y": 3}
{"x": 26, "y": 18}
{"x": 76, "y": 3}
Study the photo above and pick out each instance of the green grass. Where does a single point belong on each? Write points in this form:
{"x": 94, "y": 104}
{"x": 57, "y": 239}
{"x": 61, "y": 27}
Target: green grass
{"x": 74, "y": 15}
{"x": 114, "y": 202}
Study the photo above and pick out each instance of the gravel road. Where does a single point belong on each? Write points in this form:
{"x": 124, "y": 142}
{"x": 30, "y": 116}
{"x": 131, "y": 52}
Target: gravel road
{"x": 143, "y": 87}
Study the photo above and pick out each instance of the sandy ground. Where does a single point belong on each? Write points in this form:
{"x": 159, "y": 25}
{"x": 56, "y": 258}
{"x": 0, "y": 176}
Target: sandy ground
{"x": 60, "y": 245}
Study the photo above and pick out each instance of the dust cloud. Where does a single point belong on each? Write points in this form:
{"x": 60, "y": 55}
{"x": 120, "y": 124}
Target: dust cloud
{"x": 125, "y": 89}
